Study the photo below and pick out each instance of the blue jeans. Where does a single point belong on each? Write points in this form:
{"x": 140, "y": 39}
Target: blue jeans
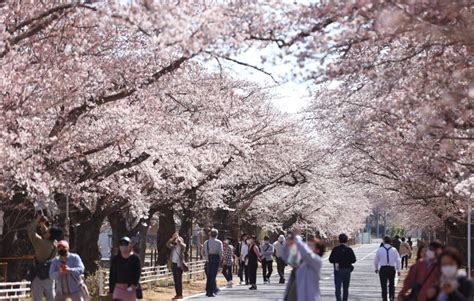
{"x": 212, "y": 267}
{"x": 342, "y": 277}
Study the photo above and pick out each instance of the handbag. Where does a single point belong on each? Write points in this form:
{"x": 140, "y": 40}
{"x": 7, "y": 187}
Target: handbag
{"x": 84, "y": 289}
{"x": 139, "y": 291}
{"x": 42, "y": 269}
{"x": 416, "y": 288}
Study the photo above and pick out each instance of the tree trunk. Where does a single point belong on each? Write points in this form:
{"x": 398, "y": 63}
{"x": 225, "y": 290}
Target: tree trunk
{"x": 166, "y": 228}
{"x": 87, "y": 235}
{"x": 185, "y": 230}
{"x": 118, "y": 224}
{"x": 235, "y": 227}
{"x": 142, "y": 231}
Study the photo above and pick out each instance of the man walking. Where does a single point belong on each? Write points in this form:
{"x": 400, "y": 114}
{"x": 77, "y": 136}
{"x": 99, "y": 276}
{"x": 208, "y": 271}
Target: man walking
{"x": 387, "y": 264}
{"x": 213, "y": 254}
{"x": 267, "y": 259}
{"x": 66, "y": 270}
{"x": 343, "y": 258}
{"x": 241, "y": 252}
{"x": 279, "y": 246}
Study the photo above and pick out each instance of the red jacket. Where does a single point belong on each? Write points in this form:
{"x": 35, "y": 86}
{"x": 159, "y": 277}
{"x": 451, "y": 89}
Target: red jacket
{"x": 417, "y": 274}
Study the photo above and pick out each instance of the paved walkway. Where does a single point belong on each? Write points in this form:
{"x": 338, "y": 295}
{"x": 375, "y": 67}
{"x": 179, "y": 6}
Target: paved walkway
{"x": 365, "y": 283}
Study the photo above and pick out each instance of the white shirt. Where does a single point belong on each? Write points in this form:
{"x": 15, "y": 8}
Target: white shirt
{"x": 175, "y": 252}
{"x": 381, "y": 257}
{"x": 244, "y": 251}
{"x": 279, "y": 248}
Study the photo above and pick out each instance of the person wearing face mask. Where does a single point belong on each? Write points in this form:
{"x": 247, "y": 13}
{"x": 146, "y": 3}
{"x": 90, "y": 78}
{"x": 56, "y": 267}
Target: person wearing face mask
{"x": 278, "y": 246}
{"x": 303, "y": 284}
{"x": 66, "y": 270}
{"x": 423, "y": 275}
{"x": 453, "y": 284}
{"x": 253, "y": 259}
{"x": 267, "y": 259}
{"x": 227, "y": 261}
{"x": 241, "y": 253}
{"x": 125, "y": 270}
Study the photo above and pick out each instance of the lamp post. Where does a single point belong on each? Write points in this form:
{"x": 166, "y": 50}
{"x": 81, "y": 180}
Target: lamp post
{"x": 67, "y": 221}
{"x": 469, "y": 238}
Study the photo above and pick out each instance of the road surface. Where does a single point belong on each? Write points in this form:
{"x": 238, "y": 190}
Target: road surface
{"x": 365, "y": 283}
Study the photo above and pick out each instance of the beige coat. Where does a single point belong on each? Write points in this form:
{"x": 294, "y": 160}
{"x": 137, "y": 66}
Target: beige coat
{"x": 405, "y": 249}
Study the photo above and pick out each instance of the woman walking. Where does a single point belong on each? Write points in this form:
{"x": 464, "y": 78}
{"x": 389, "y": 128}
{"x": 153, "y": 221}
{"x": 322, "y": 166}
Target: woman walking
{"x": 304, "y": 281}
{"x": 125, "y": 270}
{"x": 453, "y": 284}
{"x": 253, "y": 259}
{"x": 177, "y": 246}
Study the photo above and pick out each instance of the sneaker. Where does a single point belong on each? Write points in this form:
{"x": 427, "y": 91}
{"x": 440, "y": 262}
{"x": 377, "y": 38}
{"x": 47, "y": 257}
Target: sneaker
{"x": 253, "y": 287}
{"x": 242, "y": 282}
{"x": 229, "y": 284}
{"x": 268, "y": 281}
{"x": 177, "y": 297}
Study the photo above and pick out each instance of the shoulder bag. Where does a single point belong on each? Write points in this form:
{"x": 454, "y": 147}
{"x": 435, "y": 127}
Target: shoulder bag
{"x": 416, "y": 288}
{"x": 42, "y": 269}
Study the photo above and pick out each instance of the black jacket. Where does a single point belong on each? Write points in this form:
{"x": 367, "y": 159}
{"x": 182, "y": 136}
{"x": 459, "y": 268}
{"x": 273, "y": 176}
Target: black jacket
{"x": 343, "y": 255}
{"x": 124, "y": 271}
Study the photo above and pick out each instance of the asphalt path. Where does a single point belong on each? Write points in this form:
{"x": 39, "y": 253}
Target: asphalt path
{"x": 365, "y": 284}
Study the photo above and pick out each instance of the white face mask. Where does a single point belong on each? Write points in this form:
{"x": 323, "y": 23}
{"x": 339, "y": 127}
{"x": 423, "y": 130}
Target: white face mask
{"x": 449, "y": 270}
{"x": 266, "y": 241}
{"x": 430, "y": 254}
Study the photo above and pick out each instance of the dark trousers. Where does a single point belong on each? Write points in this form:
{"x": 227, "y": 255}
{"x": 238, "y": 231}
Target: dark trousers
{"x": 281, "y": 268}
{"x": 387, "y": 274}
{"x": 212, "y": 268}
{"x": 267, "y": 266}
{"x": 342, "y": 277}
{"x": 227, "y": 272}
{"x": 178, "y": 279}
{"x": 405, "y": 261}
{"x": 252, "y": 273}
{"x": 243, "y": 271}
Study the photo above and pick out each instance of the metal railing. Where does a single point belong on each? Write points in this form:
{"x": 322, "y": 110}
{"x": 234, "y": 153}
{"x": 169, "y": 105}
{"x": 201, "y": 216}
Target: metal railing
{"x": 151, "y": 276}
{"x": 14, "y": 290}
{"x": 154, "y": 275}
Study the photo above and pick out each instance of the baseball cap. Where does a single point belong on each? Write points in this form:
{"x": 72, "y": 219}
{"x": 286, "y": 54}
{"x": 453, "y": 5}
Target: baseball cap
{"x": 64, "y": 244}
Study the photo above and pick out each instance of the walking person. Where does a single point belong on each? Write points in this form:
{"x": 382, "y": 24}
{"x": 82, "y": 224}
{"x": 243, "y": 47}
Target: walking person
{"x": 303, "y": 284}
{"x": 227, "y": 261}
{"x": 387, "y": 264}
{"x": 405, "y": 253}
{"x": 278, "y": 246}
{"x": 176, "y": 262}
{"x": 410, "y": 242}
{"x": 241, "y": 253}
{"x": 253, "y": 259}
{"x": 267, "y": 259}
{"x": 453, "y": 284}
{"x": 44, "y": 246}
{"x": 67, "y": 270}
{"x": 125, "y": 270}
{"x": 213, "y": 251}
{"x": 343, "y": 258}
{"x": 424, "y": 274}
{"x": 396, "y": 243}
